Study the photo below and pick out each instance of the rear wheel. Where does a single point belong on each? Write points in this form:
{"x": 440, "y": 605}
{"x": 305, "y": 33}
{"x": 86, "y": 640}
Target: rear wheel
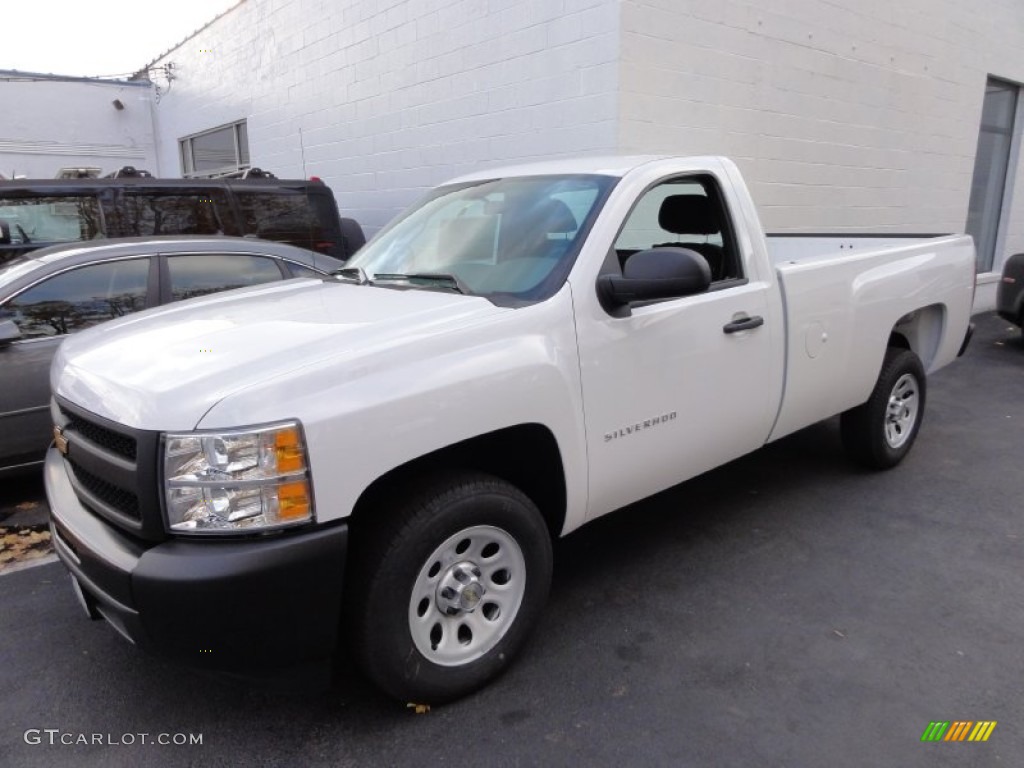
{"x": 879, "y": 433}
{"x": 353, "y": 236}
{"x": 447, "y": 586}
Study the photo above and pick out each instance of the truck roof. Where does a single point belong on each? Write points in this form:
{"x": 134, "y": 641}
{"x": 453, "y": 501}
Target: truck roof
{"x": 606, "y": 165}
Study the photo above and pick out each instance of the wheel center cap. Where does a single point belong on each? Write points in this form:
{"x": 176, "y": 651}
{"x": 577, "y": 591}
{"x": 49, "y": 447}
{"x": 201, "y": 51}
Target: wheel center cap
{"x": 460, "y": 589}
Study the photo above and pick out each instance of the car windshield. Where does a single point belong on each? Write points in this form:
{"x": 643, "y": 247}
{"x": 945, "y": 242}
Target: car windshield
{"x": 512, "y": 240}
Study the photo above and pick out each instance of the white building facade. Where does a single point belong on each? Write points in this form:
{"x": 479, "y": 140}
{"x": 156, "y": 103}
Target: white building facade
{"x": 49, "y": 122}
{"x": 844, "y": 115}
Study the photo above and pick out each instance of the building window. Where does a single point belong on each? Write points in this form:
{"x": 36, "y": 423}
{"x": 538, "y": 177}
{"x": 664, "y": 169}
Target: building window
{"x": 991, "y": 168}
{"x": 215, "y": 152}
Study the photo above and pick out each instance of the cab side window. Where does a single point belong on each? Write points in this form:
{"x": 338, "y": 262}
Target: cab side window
{"x": 80, "y": 298}
{"x": 684, "y": 213}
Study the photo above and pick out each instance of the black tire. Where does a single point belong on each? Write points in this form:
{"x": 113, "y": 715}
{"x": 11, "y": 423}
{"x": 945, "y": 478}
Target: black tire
{"x": 879, "y": 433}
{"x": 352, "y": 235}
{"x": 395, "y": 554}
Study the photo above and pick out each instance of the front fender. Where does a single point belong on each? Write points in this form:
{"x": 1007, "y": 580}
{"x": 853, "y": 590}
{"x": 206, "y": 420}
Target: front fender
{"x": 366, "y": 416}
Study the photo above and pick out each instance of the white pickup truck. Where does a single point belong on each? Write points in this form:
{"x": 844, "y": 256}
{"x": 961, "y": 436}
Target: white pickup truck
{"x": 384, "y": 457}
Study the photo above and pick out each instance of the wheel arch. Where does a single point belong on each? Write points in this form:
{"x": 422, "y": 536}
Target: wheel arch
{"x": 525, "y": 455}
{"x": 921, "y": 331}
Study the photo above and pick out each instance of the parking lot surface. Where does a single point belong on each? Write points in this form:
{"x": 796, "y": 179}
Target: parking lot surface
{"x": 787, "y": 609}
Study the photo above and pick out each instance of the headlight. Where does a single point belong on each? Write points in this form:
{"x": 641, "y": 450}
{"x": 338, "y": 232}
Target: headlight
{"x": 237, "y": 481}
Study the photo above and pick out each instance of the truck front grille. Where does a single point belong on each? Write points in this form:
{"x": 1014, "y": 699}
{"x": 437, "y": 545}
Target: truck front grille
{"x": 122, "y": 445}
{"x": 125, "y": 502}
{"x": 113, "y": 469}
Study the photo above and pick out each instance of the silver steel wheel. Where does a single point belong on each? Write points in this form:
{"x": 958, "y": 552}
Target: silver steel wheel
{"x": 467, "y": 595}
{"x": 901, "y": 411}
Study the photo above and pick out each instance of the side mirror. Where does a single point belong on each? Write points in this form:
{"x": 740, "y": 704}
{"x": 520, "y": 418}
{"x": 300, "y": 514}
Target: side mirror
{"x": 658, "y": 273}
{"x": 9, "y": 332}
{"x": 5, "y": 232}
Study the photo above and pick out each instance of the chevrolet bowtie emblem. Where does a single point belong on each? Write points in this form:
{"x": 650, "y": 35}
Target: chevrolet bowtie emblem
{"x": 60, "y": 441}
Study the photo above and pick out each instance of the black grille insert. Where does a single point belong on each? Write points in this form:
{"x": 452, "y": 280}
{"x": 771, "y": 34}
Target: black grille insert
{"x": 113, "y": 468}
{"x": 125, "y": 502}
{"x": 122, "y": 445}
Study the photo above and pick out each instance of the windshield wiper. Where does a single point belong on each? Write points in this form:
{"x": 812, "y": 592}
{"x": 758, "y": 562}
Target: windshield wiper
{"x": 353, "y": 273}
{"x": 439, "y": 279}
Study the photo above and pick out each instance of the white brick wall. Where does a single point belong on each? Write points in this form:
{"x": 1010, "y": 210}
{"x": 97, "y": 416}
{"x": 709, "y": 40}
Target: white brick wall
{"x": 393, "y": 96}
{"x": 48, "y": 124}
{"x": 857, "y": 115}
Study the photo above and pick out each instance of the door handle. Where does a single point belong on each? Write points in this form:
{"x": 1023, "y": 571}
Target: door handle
{"x": 743, "y": 324}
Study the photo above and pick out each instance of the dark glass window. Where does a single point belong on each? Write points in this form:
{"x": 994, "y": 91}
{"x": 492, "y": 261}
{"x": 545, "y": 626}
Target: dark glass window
{"x": 215, "y": 152}
{"x": 286, "y": 218}
{"x": 199, "y": 274}
{"x": 80, "y": 298}
{"x": 44, "y": 220}
{"x": 144, "y": 213}
{"x": 991, "y": 167}
{"x": 298, "y": 270}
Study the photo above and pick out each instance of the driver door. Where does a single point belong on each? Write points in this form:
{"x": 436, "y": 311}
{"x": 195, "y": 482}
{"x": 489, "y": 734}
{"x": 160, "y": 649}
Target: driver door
{"x": 669, "y": 390}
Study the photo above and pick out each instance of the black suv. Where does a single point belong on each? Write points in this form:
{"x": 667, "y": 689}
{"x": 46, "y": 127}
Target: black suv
{"x": 38, "y": 212}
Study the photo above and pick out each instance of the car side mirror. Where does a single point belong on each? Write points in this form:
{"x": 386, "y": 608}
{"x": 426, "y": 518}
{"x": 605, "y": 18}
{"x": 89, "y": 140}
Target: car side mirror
{"x": 658, "y": 273}
{"x": 5, "y": 232}
{"x": 9, "y": 331}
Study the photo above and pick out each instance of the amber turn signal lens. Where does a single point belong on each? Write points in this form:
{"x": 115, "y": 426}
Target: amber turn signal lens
{"x": 288, "y": 450}
{"x": 293, "y": 501}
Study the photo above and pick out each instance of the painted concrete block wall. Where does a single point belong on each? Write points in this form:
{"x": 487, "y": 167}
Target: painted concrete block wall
{"x": 385, "y": 98}
{"x": 48, "y": 124}
{"x": 845, "y": 115}
{"x": 852, "y": 115}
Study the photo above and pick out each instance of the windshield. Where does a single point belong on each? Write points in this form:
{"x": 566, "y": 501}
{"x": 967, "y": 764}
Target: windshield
{"x": 515, "y": 238}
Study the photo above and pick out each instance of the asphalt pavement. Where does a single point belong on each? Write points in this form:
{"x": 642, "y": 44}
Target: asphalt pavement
{"x": 787, "y": 609}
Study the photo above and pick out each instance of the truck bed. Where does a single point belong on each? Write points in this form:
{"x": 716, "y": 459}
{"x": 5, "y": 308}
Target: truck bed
{"x": 844, "y": 295}
{"x": 785, "y": 247}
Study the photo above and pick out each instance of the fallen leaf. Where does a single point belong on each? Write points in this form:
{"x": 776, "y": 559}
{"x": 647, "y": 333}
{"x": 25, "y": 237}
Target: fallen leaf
{"x": 23, "y": 544}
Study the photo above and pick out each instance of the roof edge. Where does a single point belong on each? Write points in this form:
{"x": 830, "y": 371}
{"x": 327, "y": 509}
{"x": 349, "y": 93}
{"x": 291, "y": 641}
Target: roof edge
{"x": 14, "y": 75}
{"x": 142, "y": 72}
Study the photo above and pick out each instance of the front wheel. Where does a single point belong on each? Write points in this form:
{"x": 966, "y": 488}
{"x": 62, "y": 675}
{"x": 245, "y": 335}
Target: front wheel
{"x": 879, "y": 433}
{"x": 447, "y": 586}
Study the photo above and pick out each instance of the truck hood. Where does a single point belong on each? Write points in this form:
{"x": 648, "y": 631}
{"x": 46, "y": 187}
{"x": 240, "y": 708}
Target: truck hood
{"x": 164, "y": 368}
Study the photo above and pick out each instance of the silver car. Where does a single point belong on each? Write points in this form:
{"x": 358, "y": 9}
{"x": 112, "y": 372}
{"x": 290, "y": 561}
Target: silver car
{"x": 60, "y": 290}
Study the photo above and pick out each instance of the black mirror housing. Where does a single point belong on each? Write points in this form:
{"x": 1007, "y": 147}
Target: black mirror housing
{"x": 657, "y": 273}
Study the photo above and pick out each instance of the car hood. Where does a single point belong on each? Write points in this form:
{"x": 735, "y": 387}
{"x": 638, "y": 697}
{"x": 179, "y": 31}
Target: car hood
{"x": 165, "y": 368}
